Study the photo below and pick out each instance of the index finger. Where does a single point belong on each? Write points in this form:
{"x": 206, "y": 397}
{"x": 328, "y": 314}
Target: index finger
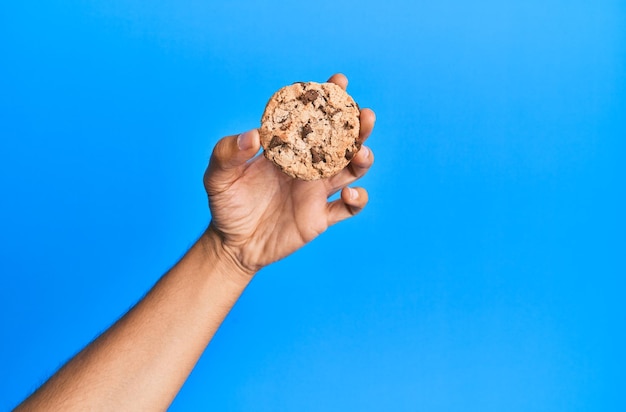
{"x": 339, "y": 79}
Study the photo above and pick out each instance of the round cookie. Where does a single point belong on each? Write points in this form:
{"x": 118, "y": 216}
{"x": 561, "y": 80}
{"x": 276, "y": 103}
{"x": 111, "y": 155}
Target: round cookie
{"x": 310, "y": 130}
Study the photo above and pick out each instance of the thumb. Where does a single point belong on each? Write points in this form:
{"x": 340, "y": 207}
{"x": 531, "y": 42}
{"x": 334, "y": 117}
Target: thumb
{"x": 229, "y": 157}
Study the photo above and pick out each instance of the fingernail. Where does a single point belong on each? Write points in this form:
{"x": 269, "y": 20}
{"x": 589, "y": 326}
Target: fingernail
{"x": 366, "y": 152}
{"x": 353, "y": 193}
{"x": 244, "y": 140}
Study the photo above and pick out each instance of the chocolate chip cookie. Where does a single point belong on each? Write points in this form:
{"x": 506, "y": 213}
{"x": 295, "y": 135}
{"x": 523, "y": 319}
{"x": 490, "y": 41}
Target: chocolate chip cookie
{"x": 310, "y": 130}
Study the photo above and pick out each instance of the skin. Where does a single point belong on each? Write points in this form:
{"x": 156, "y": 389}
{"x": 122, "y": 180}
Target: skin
{"x": 259, "y": 215}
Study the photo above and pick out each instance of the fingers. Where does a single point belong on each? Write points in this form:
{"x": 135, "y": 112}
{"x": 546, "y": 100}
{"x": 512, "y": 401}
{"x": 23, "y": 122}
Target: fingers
{"x": 351, "y": 202}
{"x": 361, "y": 163}
{"x": 229, "y": 157}
{"x": 340, "y": 80}
{"x": 357, "y": 168}
{"x": 367, "y": 120}
{"x": 367, "y": 117}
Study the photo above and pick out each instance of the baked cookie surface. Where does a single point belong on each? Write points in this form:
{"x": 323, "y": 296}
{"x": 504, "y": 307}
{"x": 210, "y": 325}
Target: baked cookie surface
{"x": 310, "y": 130}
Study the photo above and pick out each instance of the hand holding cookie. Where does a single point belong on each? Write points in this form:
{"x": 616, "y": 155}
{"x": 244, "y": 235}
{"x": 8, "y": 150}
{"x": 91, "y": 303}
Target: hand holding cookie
{"x": 267, "y": 206}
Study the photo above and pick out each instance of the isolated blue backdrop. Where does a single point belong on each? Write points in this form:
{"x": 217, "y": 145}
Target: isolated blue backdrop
{"x": 486, "y": 274}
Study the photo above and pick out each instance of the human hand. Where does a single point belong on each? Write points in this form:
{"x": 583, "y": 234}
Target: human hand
{"x": 260, "y": 215}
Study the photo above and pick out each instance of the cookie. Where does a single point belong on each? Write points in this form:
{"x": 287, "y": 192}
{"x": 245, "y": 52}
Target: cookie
{"x": 310, "y": 130}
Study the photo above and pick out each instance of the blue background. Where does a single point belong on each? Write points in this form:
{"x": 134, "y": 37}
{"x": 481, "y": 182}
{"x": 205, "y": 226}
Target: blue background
{"x": 486, "y": 274}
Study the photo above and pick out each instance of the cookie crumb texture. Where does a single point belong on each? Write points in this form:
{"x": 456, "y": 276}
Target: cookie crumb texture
{"x": 310, "y": 130}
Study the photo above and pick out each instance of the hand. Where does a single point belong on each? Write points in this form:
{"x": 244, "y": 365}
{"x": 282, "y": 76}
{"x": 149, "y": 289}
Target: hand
{"x": 260, "y": 215}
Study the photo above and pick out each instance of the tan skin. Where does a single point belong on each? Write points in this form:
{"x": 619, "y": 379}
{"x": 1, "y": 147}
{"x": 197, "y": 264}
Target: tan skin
{"x": 262, "y": 226}
{"x": 259, "y": 215}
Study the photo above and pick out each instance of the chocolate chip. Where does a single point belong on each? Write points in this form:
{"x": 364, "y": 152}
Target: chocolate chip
{"x": 309, "y": 96}
{"x": 329, "y": 111}
{"x": 306, "y": 130}
{"x": 316, "y": 155}
{"x": 275, "y": 142}
{"x": 349, "y": 155}
{"x": 348, "y": 126}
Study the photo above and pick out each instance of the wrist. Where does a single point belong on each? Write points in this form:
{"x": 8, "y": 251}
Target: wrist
{"x": 222, "y": 256}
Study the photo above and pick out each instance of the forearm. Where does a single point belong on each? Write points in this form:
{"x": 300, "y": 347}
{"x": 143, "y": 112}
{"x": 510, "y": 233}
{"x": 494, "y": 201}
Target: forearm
{"x": 142, "y": 361}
